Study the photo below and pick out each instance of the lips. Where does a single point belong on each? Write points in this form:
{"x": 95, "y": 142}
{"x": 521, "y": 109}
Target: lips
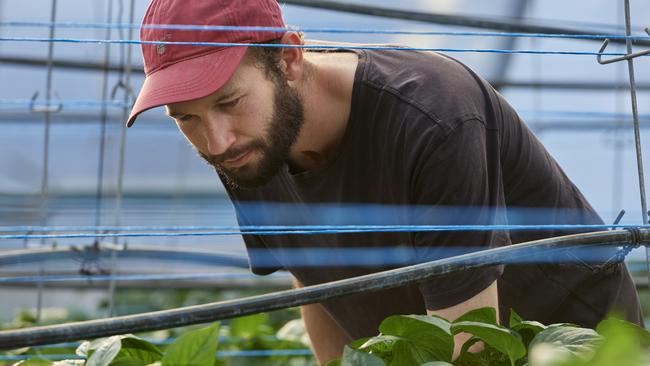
{"x": 237, "y": 161}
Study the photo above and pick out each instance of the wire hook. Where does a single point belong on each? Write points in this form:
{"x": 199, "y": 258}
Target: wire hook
{"x": 43, "y": 108}
{"x": 128, "y": 91}
{"x": 629, "y": 56}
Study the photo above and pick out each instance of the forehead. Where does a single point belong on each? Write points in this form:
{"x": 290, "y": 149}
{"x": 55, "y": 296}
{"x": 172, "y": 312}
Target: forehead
{"x": 244, "y": 77}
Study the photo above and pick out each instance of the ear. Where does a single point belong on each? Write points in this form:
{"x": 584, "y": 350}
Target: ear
{"x": 292, "y": 61}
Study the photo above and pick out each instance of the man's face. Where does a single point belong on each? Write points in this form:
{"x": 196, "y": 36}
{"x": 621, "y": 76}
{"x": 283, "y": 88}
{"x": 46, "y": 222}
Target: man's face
{"x": 246, "y": 129}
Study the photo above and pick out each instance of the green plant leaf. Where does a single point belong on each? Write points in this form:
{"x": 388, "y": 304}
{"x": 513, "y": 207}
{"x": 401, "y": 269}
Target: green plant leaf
{"x": 498, "y": 337}
{"x": 532, "y": 326}
{"x": 381, "y": 346}
{"x": 198, "y": 348}
{"x": 487, "y": 357}
{"x": 560, "y": 342}
{"x": 468, "y": 343}
{"x": 105, "y": 351}
{"x": 86, "y": 348}
{"x": 127, "y": 362}
{"x": 622, "y": 346}
{"x": 406, "y": 353}
{"x": 615, "y": 325}
{"x": 248, "y": 326}
{"x": 136, "y": 351}
{"x": 429, "y": 338}
{"x": 515, "y": 319}
{"x": 357, "y": 343}
{"x": 34, "y": 362}
{"x": 353, "y": 357}
{"x": 527, "y": 329}
{"x": 482, "y": 315}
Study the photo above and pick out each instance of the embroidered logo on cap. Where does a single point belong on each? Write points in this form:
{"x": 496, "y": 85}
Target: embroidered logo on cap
{"x": 160, "y": 48}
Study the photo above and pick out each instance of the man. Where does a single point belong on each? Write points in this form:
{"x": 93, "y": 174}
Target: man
{"x": 380, "y": 137}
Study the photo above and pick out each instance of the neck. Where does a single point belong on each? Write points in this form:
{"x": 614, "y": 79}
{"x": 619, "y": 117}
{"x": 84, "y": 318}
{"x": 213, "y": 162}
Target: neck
{"x": 326, "y": 91}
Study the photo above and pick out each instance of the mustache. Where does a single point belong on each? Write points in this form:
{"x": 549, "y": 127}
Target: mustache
{"x": 233, "y": 152}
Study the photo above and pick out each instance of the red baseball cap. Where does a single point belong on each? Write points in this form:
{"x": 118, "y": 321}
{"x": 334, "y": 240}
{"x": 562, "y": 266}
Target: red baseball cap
{"x": 178, "y": 73}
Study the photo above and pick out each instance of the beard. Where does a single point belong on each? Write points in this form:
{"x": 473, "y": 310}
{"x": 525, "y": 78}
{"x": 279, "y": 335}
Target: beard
{"x": 280, "y": 133}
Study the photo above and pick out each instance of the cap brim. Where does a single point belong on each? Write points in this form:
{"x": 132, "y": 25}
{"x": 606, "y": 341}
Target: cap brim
{"x": 187, "y": 80}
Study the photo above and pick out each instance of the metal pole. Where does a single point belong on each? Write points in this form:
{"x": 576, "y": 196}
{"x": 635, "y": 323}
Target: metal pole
{"x": 637, "y": 132}
{"x": 510, "y": 42}
{"x": 635, "y": 114}
{"x": 103, "y": 118}
{"x": 46, "y": 150}
{"x": 126, "y": 85}
{"x": 619, "y": 135}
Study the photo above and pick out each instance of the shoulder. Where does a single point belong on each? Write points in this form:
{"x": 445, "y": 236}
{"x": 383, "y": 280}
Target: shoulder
{"x": 439, "y": 85}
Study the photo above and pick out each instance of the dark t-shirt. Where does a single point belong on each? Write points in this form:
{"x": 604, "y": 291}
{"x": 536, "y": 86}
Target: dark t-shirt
{"x": 428, "y": 142}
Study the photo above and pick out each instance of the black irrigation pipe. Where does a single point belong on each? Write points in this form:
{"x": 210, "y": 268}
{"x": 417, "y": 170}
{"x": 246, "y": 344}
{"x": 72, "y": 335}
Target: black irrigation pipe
{"x": 530, "y": 252}
{"x": 447, "y": 19}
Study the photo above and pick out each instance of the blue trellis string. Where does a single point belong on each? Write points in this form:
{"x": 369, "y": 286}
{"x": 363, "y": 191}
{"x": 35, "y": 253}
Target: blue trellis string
{"x": 141, "y": 277}
{"x": 86, "y": 25}
{"x": 311, "y": 230}
{"x": 92, "y": 103}
{"x": 310, "y": 46}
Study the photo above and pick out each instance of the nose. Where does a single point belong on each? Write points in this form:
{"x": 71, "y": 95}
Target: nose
{"x": 219, "y": 135}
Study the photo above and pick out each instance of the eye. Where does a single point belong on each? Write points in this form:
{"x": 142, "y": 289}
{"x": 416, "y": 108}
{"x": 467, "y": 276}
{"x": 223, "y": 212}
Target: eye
{"x": 230, "y": 103}
{"x": 184, "y": 118}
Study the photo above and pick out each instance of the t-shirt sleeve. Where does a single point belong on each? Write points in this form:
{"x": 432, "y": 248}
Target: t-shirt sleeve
{"x": 456, "y": 182}
{"x": 261, "y": 260}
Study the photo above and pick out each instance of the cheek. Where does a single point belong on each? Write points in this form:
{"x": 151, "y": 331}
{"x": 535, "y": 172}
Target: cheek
{"x": 191, "y": 135}
{"x": 255, "y": 112}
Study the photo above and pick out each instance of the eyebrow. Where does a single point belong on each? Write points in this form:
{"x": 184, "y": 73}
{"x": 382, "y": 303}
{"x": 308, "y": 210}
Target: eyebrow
{"x": 174, "y": 114}
{"x": 225, "y": 95}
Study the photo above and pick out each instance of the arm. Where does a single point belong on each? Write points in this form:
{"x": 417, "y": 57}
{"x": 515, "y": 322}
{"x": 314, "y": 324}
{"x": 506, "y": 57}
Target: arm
{"x": 327, "y": 337}
{"x": 487, "y": 298}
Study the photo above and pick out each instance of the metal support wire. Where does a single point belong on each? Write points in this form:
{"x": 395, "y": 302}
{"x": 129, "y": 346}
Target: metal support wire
{"x": 502, "y": 67}
{"x": 102, "y": 158}
{"x": 619, "y": 136}
{"x": 629, "y": 57}
{"x": 530, "y": 252}
{"x": 124, "y": 83}
{"x": 103, "y": 120}
{"x": 46, "y": 149}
